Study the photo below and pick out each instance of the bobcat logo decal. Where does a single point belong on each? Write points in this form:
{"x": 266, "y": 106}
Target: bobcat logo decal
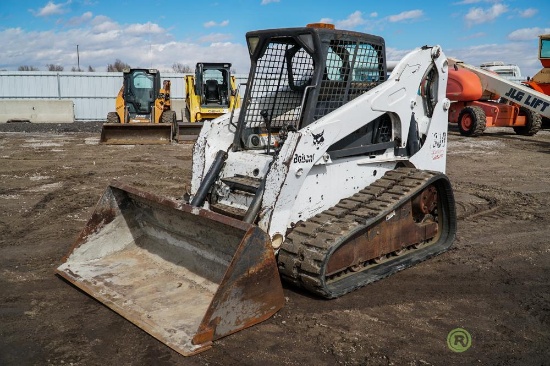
{"x": 318, "y": 139}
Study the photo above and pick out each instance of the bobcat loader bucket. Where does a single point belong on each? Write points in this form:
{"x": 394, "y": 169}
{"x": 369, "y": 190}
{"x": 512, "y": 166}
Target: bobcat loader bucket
{"x": 136, "y": 133}
{"x": 185, "y": 275}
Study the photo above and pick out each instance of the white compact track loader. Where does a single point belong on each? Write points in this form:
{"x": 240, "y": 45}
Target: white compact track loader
{"x": 331, "y": 176}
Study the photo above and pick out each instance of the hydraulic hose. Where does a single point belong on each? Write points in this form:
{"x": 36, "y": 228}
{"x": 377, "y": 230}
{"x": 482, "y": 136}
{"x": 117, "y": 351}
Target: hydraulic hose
{"x": 209, "y": 179}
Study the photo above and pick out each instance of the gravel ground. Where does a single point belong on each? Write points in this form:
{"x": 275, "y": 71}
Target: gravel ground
{"x": 88, "y": 126}
{"x": 494, "y": 281}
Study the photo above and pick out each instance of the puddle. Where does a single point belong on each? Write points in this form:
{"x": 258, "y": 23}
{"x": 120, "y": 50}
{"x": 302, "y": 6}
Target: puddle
{"x": 471, "y": 145}
{"x": 45, "y": 187}
{"x": 9, "y": 196}
{"x": 39, "y": 177}
{"x": 38, "y": 143}
{"x": 91, "y": 141}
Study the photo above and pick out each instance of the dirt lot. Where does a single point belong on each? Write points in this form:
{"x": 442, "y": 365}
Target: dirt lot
{"x": 494, "y": 282}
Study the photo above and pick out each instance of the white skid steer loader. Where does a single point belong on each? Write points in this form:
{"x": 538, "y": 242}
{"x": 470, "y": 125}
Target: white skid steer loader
{"x": 331, "y": 176}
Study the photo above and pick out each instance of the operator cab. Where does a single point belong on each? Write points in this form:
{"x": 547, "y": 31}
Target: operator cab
{"x": 141, "y": 87}
{"x": 544, "y": 50}
{"x": 299, "y": 75}
{"x": 212, "y": 83}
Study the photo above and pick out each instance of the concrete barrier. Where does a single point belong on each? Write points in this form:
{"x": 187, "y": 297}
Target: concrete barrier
{"x": 37, "y": 110}
{"x": 178, "y": 106}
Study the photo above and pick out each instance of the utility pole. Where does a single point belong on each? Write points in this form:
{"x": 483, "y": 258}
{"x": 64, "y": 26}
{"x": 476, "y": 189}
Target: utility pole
{"x": 77, "y": 58}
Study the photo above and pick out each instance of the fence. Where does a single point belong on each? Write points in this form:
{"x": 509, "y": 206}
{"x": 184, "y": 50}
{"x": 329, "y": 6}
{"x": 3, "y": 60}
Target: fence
{"x": 93, "y": 93}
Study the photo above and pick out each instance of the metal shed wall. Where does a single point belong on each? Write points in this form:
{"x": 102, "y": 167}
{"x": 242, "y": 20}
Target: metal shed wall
{"x": 93, "y": 93}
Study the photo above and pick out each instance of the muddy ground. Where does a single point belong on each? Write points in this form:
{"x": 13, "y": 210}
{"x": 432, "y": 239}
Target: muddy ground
{"x": 494, "y": 282}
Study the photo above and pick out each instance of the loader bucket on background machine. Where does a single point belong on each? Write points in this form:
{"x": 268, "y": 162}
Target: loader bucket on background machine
{"x": 188, "y": 131}
{"x": 183, "y": 274}
{"x": 136, "y": 133}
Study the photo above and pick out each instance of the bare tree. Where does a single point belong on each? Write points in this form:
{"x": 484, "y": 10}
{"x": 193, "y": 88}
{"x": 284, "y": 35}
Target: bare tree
{"x": 76, "y": 69}
{"x": 185, "y": 69}
{"x": 52, "y": 67}
{"x": 117, "y": 66}
{"x": 27, "y": 68}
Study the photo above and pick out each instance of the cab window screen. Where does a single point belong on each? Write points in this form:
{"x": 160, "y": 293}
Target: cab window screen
{"x": 282, "y": 73}
{"x": 351, "y": 69}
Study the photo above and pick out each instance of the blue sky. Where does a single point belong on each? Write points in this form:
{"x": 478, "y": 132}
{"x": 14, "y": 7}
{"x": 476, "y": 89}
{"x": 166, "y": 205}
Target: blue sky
{"x": 160, "y": 33}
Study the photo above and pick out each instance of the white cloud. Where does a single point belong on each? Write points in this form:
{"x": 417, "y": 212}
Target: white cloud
{"x": 373, "y": 14}
{"x": 103, "y": 40}
{"x": 51, "y": 8}
{"x": 466, "y": 2}
{"x": 528, "y": 13}
{"x": 406, "y": 15}
{"x": 215, "y": 38}
{"x": 527, "y": 34}
{"x": 191, "y": 53}
{"x": 76, "y": 21}
{"x": 480, "y": 15}
{"x": 518, "y": 53}
{"x": 212, "y": 23}
{"x": 393, "y": 54}
{"x": 103, "y": 24}
{"x": 147, "y": 28}
{"x": 352, "y": 21}
{"x": 265, "y": 2}
{"x": 106, "y": 38}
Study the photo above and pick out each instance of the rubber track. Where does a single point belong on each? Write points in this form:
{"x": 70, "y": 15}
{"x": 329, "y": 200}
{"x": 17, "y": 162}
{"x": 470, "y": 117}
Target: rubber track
{"x": 307, "y": 249}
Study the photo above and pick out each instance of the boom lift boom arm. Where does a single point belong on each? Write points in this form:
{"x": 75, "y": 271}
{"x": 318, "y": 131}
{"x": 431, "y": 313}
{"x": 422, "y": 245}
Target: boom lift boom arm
{"x": 517, "y": 93}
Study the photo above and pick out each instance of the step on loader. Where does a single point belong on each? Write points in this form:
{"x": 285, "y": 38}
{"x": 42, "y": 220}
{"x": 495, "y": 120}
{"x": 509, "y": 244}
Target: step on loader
{"x": 143, "y": 111}
{"x": 330, "y": 176}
